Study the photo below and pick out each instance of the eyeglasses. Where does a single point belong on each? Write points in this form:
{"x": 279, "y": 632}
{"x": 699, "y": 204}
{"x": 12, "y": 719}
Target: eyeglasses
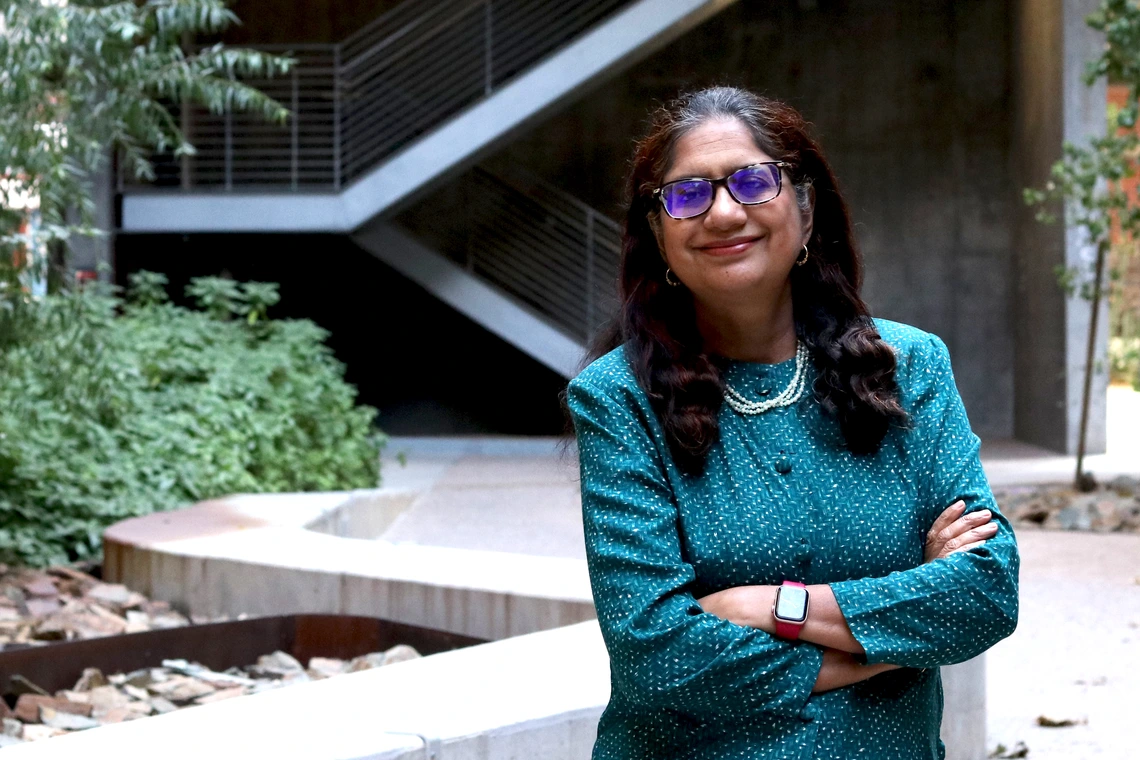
{"x": 693, "y": 196}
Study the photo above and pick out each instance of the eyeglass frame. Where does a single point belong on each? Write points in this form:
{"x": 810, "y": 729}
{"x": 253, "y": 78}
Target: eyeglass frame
{"x": 657, "y": 194}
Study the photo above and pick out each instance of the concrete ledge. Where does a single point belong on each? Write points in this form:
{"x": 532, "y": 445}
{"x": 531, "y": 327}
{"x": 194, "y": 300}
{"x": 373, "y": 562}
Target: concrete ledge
{"x": 255, "y": 554}
{"x": 533, "y": 696}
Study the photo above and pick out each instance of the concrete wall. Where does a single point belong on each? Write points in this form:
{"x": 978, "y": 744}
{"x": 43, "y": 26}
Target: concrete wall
{"x": 912, "y": 103}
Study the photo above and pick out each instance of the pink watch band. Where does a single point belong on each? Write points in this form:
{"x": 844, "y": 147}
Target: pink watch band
{"x": 785, "y": 629}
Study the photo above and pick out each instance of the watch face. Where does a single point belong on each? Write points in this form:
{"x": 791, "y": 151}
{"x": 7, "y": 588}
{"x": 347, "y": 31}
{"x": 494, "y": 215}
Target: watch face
{"x": 791, "y": 604}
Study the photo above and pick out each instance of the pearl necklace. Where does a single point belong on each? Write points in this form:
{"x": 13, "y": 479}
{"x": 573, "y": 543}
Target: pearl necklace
{"x": 787, "y": 397}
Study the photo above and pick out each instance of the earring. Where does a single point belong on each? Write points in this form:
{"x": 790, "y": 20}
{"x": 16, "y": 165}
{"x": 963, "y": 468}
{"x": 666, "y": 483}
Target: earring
{"x": 670, "y": 280}
{"x": 800, "y": 262}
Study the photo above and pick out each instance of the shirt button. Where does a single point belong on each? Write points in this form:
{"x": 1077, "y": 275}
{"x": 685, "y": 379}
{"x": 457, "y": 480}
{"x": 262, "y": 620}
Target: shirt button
{"x": 803, "y": 551}
{"x": 809, "y": 713}
{"x": 783, "y": 465}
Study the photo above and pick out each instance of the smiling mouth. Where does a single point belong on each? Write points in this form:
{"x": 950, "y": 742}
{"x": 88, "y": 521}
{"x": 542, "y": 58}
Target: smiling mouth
{"x": 729, "y": 246}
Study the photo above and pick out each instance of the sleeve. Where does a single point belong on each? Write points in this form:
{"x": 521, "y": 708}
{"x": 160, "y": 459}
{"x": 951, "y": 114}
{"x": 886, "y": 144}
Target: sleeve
{"x": 951, "y": 609}
{"x": 665, "y": 651}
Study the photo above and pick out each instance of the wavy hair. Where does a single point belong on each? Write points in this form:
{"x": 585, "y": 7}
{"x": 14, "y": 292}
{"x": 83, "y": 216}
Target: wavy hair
{"x": 855, "y": 382}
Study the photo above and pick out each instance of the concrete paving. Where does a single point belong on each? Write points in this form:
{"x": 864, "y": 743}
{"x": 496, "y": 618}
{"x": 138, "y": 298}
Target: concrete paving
{"x": 1076, "y": 652}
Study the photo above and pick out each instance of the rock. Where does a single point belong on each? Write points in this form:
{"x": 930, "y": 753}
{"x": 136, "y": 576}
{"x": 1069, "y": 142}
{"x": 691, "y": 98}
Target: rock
{"x": 116, "y": 715}
{"x": 28, "y": 707}
{"x": 137, "y": 621}
{"x": 395, "y": 654}
{"x": 220, "y": 695}
{"x": 34, "y": 732}
{"x": 72, "y": 574}
{"x": 1106, "y": 515}
{"x": 92, "y": 678}
{"x": 367, "y": 662}
{"x": 1074, "y": 517}
{"x": 141, "y": 678}
{"x": 1033, "y": 510}
{"x": 162, "y": 705}
{"x": 277, "y": 665}
{"x": 107, "y": 698}
{"x": 1124, "y": 485}
{"x": 202, "y": 673}
{"x": 134, "y": 692}
{"x": 115, "y": 595}
{"x": 82, "y": 697}
{"x": 326, "y": 667}
{"x": 180, "y": 689}
{"x": 399, "y": 653}
{"x": 169, "y": 619}
{"x": 41, "y": 585}
{"x": 140, "y": 708}
{"x": 42, "y": 606}
{"x": 64, "y": 720}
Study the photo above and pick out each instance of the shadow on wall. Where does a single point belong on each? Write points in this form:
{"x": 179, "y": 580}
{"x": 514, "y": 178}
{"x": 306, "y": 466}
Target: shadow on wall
{"x": 428, "y": 369}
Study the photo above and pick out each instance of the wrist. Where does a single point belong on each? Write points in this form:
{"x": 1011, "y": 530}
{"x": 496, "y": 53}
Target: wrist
{"x": 790, "y": 609}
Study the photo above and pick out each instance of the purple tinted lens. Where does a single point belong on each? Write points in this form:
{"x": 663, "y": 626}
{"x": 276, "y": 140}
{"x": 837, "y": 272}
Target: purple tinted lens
{"x": 755, "y": 184}
{"x": 687, "y": 198}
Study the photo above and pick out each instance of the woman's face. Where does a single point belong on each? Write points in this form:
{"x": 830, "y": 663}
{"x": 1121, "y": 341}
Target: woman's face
{"x": 731, "y": 250}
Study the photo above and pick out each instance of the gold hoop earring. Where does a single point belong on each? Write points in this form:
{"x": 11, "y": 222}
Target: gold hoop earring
{"x": 669, "y": 279}
{"x": 800, "y": 262}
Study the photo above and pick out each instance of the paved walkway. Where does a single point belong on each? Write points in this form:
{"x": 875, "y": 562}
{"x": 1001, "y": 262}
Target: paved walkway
{"x": 1075, "y": 654}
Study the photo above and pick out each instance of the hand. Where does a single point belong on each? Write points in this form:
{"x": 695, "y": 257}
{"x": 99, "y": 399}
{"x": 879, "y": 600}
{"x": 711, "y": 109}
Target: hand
{"x": 841, "y": 669}
{"x": 954, "y": 531}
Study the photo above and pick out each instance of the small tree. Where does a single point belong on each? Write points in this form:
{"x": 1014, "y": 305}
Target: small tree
{"x": 80, "y": 77}
{"x": 1089, "y": 181}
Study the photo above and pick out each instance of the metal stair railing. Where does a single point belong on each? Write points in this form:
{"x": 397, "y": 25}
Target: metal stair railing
{"x": 357, "y": 102}
{"x": 556, "y": 254}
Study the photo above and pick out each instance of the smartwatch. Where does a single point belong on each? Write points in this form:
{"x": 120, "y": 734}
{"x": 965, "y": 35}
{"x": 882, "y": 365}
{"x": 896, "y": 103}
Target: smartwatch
{"x": 790, "y": 609}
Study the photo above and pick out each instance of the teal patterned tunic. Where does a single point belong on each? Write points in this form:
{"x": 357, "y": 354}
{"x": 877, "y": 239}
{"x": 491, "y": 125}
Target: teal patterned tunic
{"x": 782, "y": 499}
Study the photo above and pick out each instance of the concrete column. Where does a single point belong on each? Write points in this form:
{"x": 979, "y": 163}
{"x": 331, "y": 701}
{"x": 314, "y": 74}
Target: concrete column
{"x": 964, "y": 712}
{"x": 1052, "y": 105}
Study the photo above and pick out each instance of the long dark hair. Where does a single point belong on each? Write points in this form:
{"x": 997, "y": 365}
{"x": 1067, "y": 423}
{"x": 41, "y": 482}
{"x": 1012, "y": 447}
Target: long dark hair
{"x": 855, "y": 381}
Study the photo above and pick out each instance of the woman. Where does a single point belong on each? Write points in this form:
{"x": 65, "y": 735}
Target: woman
{"x": 787, "y": 523}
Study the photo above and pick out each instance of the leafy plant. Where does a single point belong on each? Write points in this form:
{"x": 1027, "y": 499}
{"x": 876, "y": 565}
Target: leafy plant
{"x": 1089, "y": 181}
{"x": 84, "y": 77}
{"x": 110, "y": 410}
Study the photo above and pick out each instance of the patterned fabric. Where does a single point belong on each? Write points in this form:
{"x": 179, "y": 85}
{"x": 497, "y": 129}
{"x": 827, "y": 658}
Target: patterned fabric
{"x": 782, "y": 499}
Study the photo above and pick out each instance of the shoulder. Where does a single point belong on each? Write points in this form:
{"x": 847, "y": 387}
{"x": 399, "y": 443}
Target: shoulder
{"x": 609, "y": 374}
{"x": 908, "y": 342}
{"x": 923, "y": 368}
{"x": 607, "y": 387}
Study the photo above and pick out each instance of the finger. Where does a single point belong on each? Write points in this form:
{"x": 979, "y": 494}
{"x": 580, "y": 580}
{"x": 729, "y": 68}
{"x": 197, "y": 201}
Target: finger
{"x": 964, "y": 523}
{"x": 948, "y": 516}
{"x": 967, "y": 547}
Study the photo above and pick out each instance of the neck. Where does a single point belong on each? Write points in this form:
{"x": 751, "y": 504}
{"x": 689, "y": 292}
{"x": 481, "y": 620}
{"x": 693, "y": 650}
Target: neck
{"x": 760, "y": 331}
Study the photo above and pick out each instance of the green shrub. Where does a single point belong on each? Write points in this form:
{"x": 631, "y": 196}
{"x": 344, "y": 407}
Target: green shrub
{"x": 110, "y": 410}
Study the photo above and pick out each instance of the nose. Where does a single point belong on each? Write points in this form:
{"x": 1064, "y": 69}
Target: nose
{"x": 725, "y": 212}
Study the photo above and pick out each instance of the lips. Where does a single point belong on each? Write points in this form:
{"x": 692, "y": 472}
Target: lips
{"x": 728, "y": 247}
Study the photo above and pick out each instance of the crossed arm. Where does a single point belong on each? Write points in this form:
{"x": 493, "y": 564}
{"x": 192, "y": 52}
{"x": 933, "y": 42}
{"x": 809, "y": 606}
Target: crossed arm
{"x": 826, "y": 626}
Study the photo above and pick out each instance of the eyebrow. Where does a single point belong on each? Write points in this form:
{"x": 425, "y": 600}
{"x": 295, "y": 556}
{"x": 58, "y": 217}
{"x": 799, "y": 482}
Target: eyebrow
{"x": 705, "y": 176}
